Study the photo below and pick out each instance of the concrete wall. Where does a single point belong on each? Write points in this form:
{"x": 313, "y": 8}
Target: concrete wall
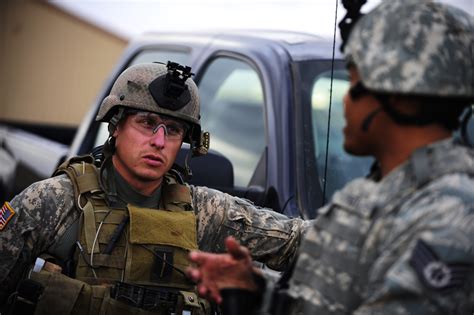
{"x": 52, "y": 64}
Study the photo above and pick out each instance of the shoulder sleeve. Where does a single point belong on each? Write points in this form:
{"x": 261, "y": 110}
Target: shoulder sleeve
{"x": 40, "y": 217}
{"x": 271, "y": 237}
{"x": 428, "y": 266}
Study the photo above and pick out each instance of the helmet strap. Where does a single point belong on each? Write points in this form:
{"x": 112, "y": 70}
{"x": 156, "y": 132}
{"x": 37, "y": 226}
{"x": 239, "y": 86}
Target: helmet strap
{"x": 188, "y": 173}
{"x": 108, "y": 186}
{"x": 109, "y": 145}
{"x": 114, "y": 120}
{"x": 108, "y": 150}
{"x": 187, "y": 168}
{"x": 420, "y": 119}
{"x": 197, "y": 147}
{"x": 368, "y": 120}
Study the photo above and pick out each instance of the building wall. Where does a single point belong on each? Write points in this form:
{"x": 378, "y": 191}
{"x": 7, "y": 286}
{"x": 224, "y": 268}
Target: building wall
{"x": 52, "y": 64}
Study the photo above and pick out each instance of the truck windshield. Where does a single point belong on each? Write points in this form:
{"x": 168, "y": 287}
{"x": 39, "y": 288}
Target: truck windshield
{"x": 322, "y": 93}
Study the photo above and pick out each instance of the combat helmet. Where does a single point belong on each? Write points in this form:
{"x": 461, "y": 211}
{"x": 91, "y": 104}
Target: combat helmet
{"x": 158, "y": 88}
{"x": 414, "y": 47}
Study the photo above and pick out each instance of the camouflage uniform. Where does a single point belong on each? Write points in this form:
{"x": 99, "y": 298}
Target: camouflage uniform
{"x": 46, "y": 210}
{"x": 403, "y": 245}
{"x": 46, "y": 215}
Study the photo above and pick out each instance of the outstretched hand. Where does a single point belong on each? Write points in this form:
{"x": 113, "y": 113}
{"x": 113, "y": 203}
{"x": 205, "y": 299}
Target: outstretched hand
{"x": 214, "y": 272}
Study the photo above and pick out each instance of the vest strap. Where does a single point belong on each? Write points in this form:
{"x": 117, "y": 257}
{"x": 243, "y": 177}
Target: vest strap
{"x": 110, "y": 218}
{"x": 107, "y": 260}
{"x": 90, "y": 228}
{"x": 88, "y": 182}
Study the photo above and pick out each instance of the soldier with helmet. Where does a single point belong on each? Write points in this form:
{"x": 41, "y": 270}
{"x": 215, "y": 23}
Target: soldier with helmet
{"x": 402, "y": 240}
{"x": 114, "y": 237}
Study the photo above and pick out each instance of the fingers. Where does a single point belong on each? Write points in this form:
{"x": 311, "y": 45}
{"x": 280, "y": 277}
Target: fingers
{"x": 236, "y": 250}
{"x": 194, "y": 274}
{"x": 199, "y": 257}
{"x": 203, "y": 290}
{"x": 203, "y": 275}
{"x": 210, "y": 293}
{"x": 194, "y": 256}
{"x": 216, "y": 271}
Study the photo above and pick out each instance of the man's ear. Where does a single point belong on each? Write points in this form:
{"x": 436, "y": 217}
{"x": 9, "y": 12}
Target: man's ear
{"x": 112, "y": 128}
{"x": 405, "y": 105}
{"x": 116, "y": 129}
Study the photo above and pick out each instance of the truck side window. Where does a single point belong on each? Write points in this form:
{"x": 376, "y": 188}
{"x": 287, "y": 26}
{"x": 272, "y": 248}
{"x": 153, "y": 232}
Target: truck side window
{"x": 341, "y": 167}
{"x": 232, "y": 110}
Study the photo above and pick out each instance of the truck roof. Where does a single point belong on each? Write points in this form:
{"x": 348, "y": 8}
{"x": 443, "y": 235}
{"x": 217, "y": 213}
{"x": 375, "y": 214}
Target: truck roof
{"x": 300, "y": 46}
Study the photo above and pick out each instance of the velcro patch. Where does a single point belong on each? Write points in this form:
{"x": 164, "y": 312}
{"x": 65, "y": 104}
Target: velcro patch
{"x": 435, "y": 273}
{"x": 6, "y": 213}
{"x": 163, "y": 265}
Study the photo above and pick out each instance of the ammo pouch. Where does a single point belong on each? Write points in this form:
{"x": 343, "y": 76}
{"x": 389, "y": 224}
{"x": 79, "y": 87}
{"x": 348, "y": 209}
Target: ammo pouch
{"x": 64, "y": 295}
{"x": 161, "y": 301}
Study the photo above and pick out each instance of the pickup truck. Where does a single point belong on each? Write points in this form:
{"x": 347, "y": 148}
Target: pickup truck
{"x": 272, "y": 102}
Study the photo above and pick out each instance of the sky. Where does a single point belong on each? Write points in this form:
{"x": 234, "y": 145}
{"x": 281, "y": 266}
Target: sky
{"x": 129, "y": 18}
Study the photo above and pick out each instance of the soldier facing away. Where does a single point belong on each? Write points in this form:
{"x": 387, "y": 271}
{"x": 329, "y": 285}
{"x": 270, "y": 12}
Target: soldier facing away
{"x": 401, "y": 241}
{"x": 121, "y": 232}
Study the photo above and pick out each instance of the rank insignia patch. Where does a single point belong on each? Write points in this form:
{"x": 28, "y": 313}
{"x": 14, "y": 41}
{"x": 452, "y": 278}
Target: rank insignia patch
{"x": 6, "y": 213}
{"x": 433, "y": 272}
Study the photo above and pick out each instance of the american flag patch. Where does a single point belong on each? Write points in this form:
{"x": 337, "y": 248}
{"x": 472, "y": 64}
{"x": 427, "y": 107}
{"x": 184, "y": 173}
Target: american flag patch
{"x": 6, "y": 213}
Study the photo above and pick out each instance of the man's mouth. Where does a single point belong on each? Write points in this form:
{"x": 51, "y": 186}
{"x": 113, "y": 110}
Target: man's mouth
{"x": 153, "y": 160}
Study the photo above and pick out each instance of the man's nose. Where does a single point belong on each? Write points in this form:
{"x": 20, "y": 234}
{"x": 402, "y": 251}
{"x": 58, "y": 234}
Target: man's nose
{"x": 158, "y": 139}
{"x": 345, "y": 99}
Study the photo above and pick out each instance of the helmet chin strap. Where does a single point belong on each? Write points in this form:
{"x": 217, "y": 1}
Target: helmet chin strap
{"x": 188, "y": 172}
{"x": 368, "y": 120}
{"x": 108, "y": 186}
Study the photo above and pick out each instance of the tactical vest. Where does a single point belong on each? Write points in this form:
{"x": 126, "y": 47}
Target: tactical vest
{"x": 130, "y": 260}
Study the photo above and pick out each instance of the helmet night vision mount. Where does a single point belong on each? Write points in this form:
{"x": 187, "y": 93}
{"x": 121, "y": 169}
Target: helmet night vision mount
{"x": 171, "y": 91}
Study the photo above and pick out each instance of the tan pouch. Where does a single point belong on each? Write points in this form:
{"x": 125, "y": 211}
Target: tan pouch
{"x": 170, "y": 232}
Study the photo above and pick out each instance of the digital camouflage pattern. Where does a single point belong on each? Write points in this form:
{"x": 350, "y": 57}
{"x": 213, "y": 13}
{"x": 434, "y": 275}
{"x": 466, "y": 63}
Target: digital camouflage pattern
{"x": 415, "y": 47}
{"x": 404, "y": 245}
{"x": 270, "y": 236}
{"x": 46, "y": 210}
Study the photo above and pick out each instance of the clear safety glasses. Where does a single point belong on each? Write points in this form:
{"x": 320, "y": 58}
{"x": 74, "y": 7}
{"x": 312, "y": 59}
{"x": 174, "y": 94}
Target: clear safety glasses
{"x": 149, "y": 124}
